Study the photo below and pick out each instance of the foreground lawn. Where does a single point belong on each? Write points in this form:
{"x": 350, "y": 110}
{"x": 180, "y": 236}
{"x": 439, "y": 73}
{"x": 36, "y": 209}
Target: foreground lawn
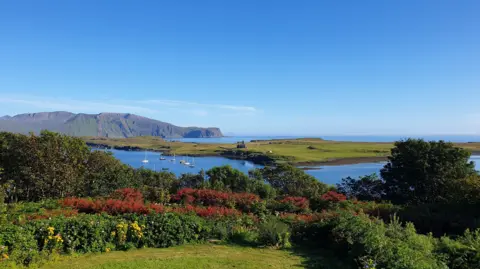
{"x": 190, "y": 256}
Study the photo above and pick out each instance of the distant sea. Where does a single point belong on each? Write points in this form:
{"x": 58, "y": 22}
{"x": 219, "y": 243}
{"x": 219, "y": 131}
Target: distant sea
{"x": 235, "y": 139}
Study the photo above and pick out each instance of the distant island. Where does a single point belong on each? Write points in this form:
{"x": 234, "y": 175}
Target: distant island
{"x": 112, "y": 125}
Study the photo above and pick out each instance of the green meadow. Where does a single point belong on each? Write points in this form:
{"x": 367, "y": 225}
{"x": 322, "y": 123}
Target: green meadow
{"x": 296, "y": 151}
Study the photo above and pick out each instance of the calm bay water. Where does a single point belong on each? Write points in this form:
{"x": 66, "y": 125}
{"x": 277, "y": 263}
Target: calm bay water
{"x": 134, "y": 158}
{"x": 363, "y": 138}
{"x": 327, "y": 174}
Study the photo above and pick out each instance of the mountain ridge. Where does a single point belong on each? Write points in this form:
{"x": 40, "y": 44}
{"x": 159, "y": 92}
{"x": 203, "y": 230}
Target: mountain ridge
{"x": 105, "y": 124}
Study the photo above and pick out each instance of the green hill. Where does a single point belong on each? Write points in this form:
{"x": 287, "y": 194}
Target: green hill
{"x": 114, "y": 125}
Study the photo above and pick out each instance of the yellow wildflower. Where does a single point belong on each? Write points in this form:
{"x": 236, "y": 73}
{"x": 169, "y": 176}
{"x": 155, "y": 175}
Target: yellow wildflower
{"x": 136, "y": 229}
{"x": 5, "y": 256}
{"x": 58, "y": 238}
{"x": 107, "y": 250}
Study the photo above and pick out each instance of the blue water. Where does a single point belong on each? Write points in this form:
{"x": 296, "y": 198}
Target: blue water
{"x": 327, "y": 174}
{"x": 364, "y": 138}
{"x": 334, "y": 173}
{"x": 134, "y": 158}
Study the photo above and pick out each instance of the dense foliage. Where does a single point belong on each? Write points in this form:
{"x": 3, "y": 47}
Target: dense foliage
{"x": 57, "y": 196}
{"x": 52, "y": 165}
{"x": 425, "y": 172}
{"x": 99, "y": 233}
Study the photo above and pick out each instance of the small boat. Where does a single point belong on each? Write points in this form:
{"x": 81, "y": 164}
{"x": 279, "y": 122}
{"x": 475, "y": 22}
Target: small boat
{"x": 165, "y": 168}
{"x": 162, "y": 158}
{"x": 172, "y": 160}
{"x": 193, "y": 163}
{"x": 186, "y": 162}
{"x": 145, "y": 160}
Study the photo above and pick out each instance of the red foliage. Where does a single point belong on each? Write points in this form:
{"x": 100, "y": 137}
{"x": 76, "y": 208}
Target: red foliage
{"x": 127, "y": 194}
{"x": 157, "y": 208}
{"x": 322, "y": 216}
{"x": 208, "y": 212}
{"x": 52, "y": 213}
{"x": 297, "y": 217}
{"x": 333, "y": 196}
{"x": 116, "y": 207}
{"x": 208, "y": 197}
{"x": 300, "y": 202}
{"x": 110, "y": 206}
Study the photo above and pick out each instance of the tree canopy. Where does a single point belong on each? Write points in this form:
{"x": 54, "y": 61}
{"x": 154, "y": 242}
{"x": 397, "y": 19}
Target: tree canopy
{"x": 424, "y": 172}
{"x": 290, "y": 180}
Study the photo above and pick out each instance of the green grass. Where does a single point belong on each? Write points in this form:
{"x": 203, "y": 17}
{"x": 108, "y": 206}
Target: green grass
{"x": 297, "y": 151}
{"x": 317, "y": 150}
{"x": 190, "y": 256}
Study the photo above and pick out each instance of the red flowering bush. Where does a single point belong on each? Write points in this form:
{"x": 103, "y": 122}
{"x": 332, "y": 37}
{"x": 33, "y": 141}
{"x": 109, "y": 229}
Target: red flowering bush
{"x": 110, "y": 206}
{"x": 51, "y": 214}
{"x": 333, "y": 196}
{"x": 206, "y": 197}
{"x": 291, "y": 204}
{"x": 208, "y": 212}
{"x": 292, "y": 217}
{"x": 117, "y": 207}
{"x": 127, "y": 194}
{"x": 299, "y": 202}
{"x": 324, "y": 215}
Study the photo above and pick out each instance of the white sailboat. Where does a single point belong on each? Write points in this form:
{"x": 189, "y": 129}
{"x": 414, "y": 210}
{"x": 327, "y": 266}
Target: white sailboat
{"x": 186, "y": 162}
{"x": 162, "y": 158}
{"x": 193, "y": 162}
{"x": 145, "y": 161}
{"x": 172, "y": 160}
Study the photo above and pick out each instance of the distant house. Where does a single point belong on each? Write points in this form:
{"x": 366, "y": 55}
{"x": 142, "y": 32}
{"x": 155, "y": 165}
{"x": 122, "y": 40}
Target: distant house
{"x": 241, "y": 145}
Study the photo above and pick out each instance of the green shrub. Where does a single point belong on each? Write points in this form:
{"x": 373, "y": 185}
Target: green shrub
{"x": 41, "y": 239}
{"x": 274, "y": 232}
{"x": 367, "y": 242}
{"x": 165, "y": 230}
{"x": 243, "y": 236}
{"x": 316, "y": 234}
{"x": 3, "y": 206}
{"x": 220, "y": 230}
{"x": 19, "y": 244}
{"x": 462, "y": 253}
{"x": 388, "y": 245}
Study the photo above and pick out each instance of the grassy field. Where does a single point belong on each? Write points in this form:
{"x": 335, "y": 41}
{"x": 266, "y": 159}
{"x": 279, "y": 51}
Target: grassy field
{"x": 192, "y": 256}
{"x": 297, "y": 151}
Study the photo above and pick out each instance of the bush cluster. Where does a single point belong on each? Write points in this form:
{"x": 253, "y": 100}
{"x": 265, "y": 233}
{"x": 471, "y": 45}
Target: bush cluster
{"x": 371, "y": 243}
{"x": 120, "y": 207}
{"x": 98, "y": 233}
{"x": 206, "y": 197}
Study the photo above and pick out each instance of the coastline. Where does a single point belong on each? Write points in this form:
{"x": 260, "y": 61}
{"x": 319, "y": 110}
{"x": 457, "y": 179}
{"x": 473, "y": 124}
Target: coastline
{"x": 307, "y": 165}
{"x": 344, "y": 161}
{"x": 307, "y": 154}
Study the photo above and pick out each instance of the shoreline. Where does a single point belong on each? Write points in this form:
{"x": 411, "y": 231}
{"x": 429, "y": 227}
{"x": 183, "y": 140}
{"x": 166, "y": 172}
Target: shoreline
{"x": 344, "y": 161}
{"x": 264, "y": 156}
{"x": 306, "y": 165}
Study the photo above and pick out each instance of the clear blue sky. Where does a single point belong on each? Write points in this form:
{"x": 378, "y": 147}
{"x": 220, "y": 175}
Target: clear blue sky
{"x": 249, "y": 67}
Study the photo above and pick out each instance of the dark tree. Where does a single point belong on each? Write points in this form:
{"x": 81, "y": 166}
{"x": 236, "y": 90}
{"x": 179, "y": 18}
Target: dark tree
{"x": 195, "y": 181}
{"x": 289, "y": 180}
{"x": 366, "y": 188}
{"x": 424, "y": 172}
{"x": 105, "y": 173}
{"x": 227, "y": 178}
